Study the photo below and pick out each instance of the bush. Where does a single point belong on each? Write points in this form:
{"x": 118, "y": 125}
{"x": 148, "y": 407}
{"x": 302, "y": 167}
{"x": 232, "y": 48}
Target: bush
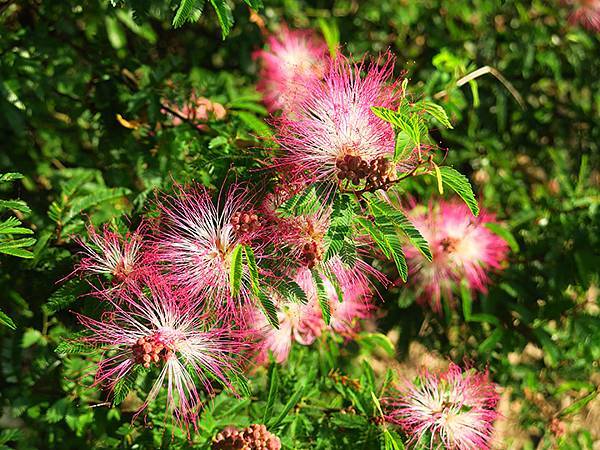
{"x": 162, "y": 171}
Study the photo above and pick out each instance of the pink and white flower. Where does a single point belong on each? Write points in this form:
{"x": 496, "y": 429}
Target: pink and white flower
{"x": 292, "y": 58}
{"x": 155, "y": 326}
{"x": 463, "y": 248}
{"x": 333, "y": 130}
{"x": 356, "y": 303}
{"x": 196, "y": 239}
{"x": 298, "y": 322}
{"x": 110, "y": 254}
{"x": 303, "y": 322}
{"x": 454, "y": 410}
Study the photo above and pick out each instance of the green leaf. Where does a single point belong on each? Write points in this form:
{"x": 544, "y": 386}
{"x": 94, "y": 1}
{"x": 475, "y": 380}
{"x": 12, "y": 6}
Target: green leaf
{"x": 505, "y": 234}
{"x": 467, "y": 301}
{"x": 65, "y": 295}
{"x": 11, "y": 176}
{"x": 268, "y": 308}
{"x": 124, "y": 385}
{"x": 86, "y": 202}
{"x": 224, "y": 15}
{"x": 254, "y": 4}
{"x": 73, "y": 345}
{"x": 403, "y": 147}
{"x": 255, "y": 124}
{"x": 384, "y": 209}
{"x": 17, "y": 205}
{"x": 322, "y": 296}
{"x": 384, "y": 235}
{"x": 7, "y": 321}
{"x": 349, "y": 421}
{"x": 392, "y": 440}
{"x": 185, "y": 10}
{"x": 578, "y": 405}
{"x": 31, "y": 337}
{"x": 252, "y": 268}
{"x": 291, "y": 290}
{"x": 235, "y": 271}
{"x": 490, "y": 342}
{"x": 460, "y": 184}
{"x": 372, "y": 341}
{"x": 14, "y": 247}
{"x": 436, "y": 111}
{"x": 11, "y": 226}
{"x": 292, "y": 401}
{"x": 273, "y": 390}
{"x": 331, "y": 33}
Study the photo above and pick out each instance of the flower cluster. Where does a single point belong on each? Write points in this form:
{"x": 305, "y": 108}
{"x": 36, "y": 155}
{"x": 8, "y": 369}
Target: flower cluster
{"x": 463, "y": 249}
{"x": 214, "y": 280}
{"x": 453, "y": 409}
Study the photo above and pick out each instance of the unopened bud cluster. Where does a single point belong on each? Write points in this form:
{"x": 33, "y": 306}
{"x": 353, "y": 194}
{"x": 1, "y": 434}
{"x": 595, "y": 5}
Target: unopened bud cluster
{"x": 245, "y": 222}
{"x": 311, "y": 254}
{"x": 356, "y": 170}
{"x": 254, "y": 437}
{"x": 149, "y": 350}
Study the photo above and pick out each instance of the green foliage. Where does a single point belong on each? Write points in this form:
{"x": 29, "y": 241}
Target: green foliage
{"x": 83, "y": 93}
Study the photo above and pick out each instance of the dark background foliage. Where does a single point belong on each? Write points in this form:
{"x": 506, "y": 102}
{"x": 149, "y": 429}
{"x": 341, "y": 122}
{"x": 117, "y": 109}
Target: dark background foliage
{"x": 82, "y": 86}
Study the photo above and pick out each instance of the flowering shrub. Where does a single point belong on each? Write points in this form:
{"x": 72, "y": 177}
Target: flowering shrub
{"x": 359, "y": 231}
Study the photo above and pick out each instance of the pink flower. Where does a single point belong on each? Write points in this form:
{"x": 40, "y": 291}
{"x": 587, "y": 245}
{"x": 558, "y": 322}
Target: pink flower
{"x": 196, "y": 239}
{"x": 294, "y": 56}
{"x": 454, "y": 409}
{"x": 303, "y": 322}
{"x": 332, "y": 134}
{"x": 111, "y": 254}
{"x": 356, "y": 303}
{"x": 586, "y": 13}
{"x": 463, "y": 248}
{"x": 156, "y": 326}
{"x": 298, "y": 322}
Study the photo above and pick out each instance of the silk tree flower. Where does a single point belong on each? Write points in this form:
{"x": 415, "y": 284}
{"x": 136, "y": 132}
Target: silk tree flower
{"x": 298, "y": 322}
{"x": 293, "y": 57}
{"x": 331, "y": 134}
{"x": 452, "y": 410}
{"x": 356, "y": 303}
{"x": 463, "y": 248}
{"x": 154, "y": 326}
{"x": 109, "y": 254}
{"x": 196, "y": 238}
{"x": 586, "y": 13}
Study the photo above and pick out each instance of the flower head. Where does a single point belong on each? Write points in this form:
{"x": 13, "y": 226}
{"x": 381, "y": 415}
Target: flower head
{"x": 196, "y": 239}
{"x": 586, "y": 13}
{"x": 463, "y": 248}
{"x": 294, "y": 56}
{"x": 454, "y": 409}
{"x": 298, "y": 322}
{"x": 108, "y": 253}
{"x": 356, "y": 302}
{"x": 332, "y": 134}
{"x": 155, "y": 326}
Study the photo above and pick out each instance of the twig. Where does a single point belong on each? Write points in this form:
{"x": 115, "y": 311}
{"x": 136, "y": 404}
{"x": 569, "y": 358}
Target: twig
{"x": 483, "y": 71}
